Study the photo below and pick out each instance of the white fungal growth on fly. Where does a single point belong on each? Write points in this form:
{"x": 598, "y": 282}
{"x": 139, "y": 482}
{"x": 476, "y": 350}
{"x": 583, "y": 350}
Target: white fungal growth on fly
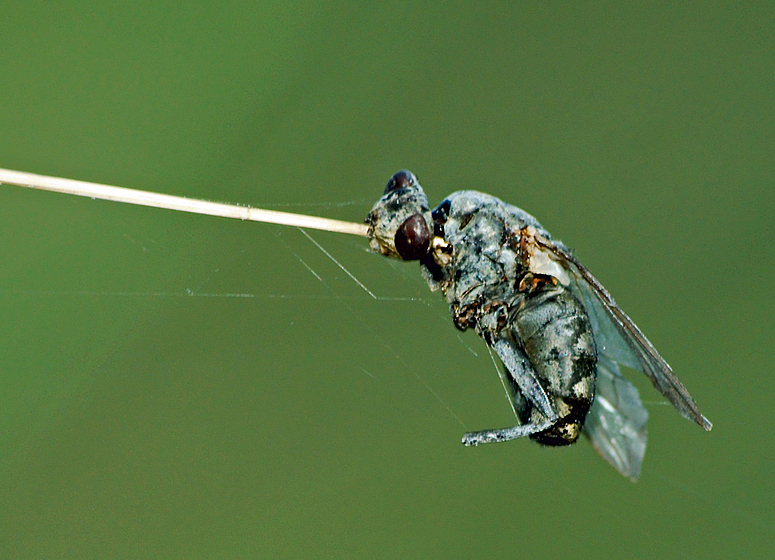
{"x": 557, "y": 331}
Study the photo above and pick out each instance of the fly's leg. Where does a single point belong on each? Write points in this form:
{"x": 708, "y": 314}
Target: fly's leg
{"x": 552, "y": 370}
{"x": 505, "y": 434}
{"x": 525, "y": 377}
{"x": 529, "y": 395}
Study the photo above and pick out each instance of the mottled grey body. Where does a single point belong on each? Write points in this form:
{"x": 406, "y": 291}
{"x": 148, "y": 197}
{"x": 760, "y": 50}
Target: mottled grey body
{"x": 538, "y": 324}
{"x": 558, "y": 332}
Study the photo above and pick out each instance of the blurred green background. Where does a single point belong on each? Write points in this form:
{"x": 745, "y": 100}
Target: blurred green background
{"x": 180, "y": 386}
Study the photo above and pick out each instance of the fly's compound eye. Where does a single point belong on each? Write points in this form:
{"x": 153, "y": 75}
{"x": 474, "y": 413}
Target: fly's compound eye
{"x": 400, "y": 180}
{"x": 413, "y": 239}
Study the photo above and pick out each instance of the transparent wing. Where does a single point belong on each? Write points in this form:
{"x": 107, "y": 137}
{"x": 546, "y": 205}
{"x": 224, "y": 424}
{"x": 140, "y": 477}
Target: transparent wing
{"x": 620, "y": 340}
{"x": 616, "y": 423}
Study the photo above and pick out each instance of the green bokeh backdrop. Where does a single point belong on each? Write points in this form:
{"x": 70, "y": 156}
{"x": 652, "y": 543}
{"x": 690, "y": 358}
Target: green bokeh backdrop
{"x": 179, "y": 386}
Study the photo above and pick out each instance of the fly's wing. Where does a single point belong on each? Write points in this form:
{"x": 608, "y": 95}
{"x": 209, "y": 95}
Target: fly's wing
{"x": 619, "y": 339}
{"x": 616, "y": 423}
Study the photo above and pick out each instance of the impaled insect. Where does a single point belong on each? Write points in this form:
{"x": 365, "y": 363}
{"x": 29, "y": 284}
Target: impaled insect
{"x": 558, "y": 332}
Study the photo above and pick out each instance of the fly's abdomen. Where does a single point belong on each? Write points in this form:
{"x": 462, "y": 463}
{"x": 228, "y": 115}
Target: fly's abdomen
{"x": 556, "y": 334}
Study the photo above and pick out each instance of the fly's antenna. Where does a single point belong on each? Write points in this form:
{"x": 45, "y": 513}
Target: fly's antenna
{"x": 182, "y": 204}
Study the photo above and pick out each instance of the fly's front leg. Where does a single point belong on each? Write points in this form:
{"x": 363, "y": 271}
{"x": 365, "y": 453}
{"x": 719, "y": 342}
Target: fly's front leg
{"x": 529, "y": 396}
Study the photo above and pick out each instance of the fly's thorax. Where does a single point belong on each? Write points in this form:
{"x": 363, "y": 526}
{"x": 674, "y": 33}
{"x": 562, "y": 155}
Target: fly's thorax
{"x": 400, "y": 224}
{"x": 477, "y": 264}
{"x": 458, "y": 206}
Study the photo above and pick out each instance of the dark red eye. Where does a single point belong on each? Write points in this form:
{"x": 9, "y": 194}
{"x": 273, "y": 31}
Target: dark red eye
{"x": 400, "y": 180}
{"x": 413, "y": 239}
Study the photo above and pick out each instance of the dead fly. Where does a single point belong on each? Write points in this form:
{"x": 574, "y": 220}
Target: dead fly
{"x": 558, "y": 332}
{"x": 556, "y": 329}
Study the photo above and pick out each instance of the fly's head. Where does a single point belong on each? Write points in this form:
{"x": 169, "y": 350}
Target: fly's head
{"x": 400, "y": 223}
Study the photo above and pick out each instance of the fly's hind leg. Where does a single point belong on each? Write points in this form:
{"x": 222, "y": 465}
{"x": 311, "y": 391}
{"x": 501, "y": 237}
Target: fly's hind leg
{"x": 528, "y": 395}
{"x": 505, "y": 434}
